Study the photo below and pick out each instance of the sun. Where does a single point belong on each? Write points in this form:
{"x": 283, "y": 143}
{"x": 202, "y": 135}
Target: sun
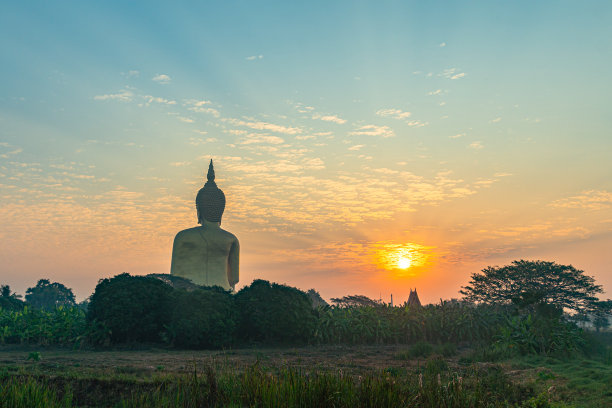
{"x": 403, "y": 262}
{"x": 401, "y": 258}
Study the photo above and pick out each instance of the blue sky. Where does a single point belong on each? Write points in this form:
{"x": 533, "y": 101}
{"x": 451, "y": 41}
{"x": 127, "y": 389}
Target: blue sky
{"x": 478, "y": 132}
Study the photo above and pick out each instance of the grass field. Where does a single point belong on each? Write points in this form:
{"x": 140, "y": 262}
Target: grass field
{"x": 323, "y": 376}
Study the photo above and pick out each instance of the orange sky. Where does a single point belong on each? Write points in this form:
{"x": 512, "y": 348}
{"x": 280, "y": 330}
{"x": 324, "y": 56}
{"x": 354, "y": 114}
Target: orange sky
{"x": 460, "y": 137}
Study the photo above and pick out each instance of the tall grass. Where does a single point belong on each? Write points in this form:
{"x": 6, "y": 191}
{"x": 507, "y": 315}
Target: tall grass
{"x": 29, "y": 392}
{"x": 444, "y": 322}
{"x": 431, "y": 386}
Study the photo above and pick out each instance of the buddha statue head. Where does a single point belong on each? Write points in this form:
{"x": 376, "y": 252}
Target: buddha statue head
{"x": 210, "y": 201}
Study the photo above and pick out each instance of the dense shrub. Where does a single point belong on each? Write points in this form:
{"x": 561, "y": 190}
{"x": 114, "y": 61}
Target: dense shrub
{"x": 536, "y": 334}
{"x": 447, "y": 349}
{"x": 131, "y": 308}
{"x": 420, "y": 349}
{"x": 202, "y": 318}
{"x": 274, "y": 313}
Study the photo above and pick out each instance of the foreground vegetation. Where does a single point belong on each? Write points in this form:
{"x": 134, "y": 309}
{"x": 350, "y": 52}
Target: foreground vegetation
{"x": 507, "y": 343}
{"x": 133, "y": 309}
{"x": 288, "y": 387}
{"x": 326, "y": 376}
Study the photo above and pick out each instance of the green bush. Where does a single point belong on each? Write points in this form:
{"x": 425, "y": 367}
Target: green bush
{"x": 58, "y": 326}
{"x": 447, "y": 349}
{"x": 203, "y": 318}
{"x": 274, "y": 313}
{"x": 420, "y": 349}
{"x": 131, "y": 308}
{"x": 539, "y": 334}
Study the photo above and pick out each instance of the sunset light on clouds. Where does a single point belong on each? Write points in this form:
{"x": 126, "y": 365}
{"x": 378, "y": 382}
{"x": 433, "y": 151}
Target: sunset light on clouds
{"x": 364, "y": 148}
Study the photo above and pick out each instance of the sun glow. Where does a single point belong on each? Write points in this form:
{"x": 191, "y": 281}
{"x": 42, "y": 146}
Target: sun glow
{"x": 397, "y": 257}
{"x": 404, "y": 262}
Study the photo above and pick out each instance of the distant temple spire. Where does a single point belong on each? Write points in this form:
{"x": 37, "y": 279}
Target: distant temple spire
{"x": 413, "y": 299}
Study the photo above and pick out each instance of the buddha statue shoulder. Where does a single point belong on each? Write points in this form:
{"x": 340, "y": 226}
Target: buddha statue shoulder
{"x": 207, "y": 254}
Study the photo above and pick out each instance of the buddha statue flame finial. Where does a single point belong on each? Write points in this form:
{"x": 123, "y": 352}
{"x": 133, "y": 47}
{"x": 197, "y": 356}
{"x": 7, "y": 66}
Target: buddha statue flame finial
{"x": 210, "y": 176}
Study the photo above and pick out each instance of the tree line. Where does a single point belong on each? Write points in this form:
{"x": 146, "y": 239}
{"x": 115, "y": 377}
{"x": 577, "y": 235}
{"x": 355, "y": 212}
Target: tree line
{"x": 525, "y": 307}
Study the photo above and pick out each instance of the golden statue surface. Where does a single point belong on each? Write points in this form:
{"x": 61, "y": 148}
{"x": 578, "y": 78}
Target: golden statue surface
{"x": 207, "y": 254}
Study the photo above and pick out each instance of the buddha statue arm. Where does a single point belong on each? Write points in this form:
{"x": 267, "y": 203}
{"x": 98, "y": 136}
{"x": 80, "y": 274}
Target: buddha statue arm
{"x": 233, "y": 264}
{"x": 173, "y": 264}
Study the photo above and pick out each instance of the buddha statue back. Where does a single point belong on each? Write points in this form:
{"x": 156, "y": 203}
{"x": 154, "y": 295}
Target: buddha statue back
{"x": 207, "y": 255}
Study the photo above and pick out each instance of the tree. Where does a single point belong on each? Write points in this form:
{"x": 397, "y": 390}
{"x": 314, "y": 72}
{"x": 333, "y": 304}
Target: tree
{"x": 202, "y": 318}
{"x": 529, "y": 284}
{"x": 316, "y": 299}
{"x": 177, "y": 282}
{"x": 601, "y": 316}
{"x": 274, "y": 313}
{"x": 133, "y": 308}
{"x": 47, "y": 295}
{"x": 354, "y": 301}
{"x": 6, "y": 292}
{"x": 10, "y": 300}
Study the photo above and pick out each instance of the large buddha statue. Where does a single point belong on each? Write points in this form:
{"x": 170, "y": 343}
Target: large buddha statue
{"x": 208, "y": 255}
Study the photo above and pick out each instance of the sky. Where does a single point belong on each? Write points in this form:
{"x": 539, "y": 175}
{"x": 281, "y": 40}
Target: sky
{"x": 363, "y": 147}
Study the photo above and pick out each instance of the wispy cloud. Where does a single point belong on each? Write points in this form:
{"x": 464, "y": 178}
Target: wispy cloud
{"x": 330, "y": 118}
{"x": 162, "y": 79}
{"x": 180, "y": 164}
{"x": 373, "y": 130}
{"x": 400, "y": 115}
{"x": 384, "y": 170}
{"x": 12, "y": 150}
{"x": 476, "y": 145}
{"x": 131, "y": 74}
{"x": 156, "y": 99}
{"x": 590, "y": 200}
{"x": 125, "y": 95}
{"x": 253, "y": 138}
{"x": 301, "y": 108}
{"x": 260, "y": 125}
{"x": 451, "y": 73}
{"x": 202, "y": 106}
{"x": 10, "y": 153}
{"x": 254, "y": 57}
{"x": 393, "y": 113}
{"x": 296, "y": 197}
{"x": 113, "y": 143}
{"x": 197, "y": 141}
